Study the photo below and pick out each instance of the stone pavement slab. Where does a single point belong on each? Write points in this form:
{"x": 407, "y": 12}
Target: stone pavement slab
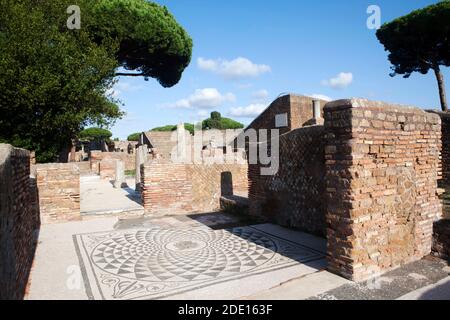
{"x": 302, "y": 288}
{"x": 393, "y": 284}
{"x": 165, "y": 260}
{"x": 437, "y": 291}
{"x": 191, "y": 263}
{"x": 99, "y": 197}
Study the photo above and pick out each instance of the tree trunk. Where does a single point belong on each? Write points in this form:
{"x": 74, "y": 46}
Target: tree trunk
{"x": 73, "y": 150}
{"x": 64, "y": 155}
{"x": 441, "y": 85}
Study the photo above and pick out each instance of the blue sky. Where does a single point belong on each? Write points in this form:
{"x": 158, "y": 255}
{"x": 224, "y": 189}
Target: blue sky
{"x": 248, "y": 52}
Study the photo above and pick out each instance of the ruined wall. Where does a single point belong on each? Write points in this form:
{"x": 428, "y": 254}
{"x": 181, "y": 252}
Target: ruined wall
{"x": 19, "y": 221}
{"x": 299, "y": 111}
{"x": 59, "y": 192}
{"x": 186, "y": 188}
{"x": 97, "y": 156}
{"x": 382, "y": 165}
{"x": 166, "y": 188}
{"x": 107, "y": 168}
{"x": 445, "y": 152}
{"x": 210, "y": 182}
{"x": 294, "y": 197}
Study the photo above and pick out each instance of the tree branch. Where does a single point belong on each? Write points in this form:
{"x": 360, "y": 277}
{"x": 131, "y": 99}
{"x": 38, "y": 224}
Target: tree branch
{"x": 120, "y": 74}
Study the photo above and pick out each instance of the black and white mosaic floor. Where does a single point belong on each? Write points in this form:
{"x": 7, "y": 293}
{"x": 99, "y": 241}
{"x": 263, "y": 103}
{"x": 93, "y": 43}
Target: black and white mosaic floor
{"x": 159, "y": 262}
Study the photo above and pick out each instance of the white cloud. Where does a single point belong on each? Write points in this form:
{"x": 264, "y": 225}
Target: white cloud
{"x": 260, "y": 95}
{"x": 341, "y": 81}
{"x": 239, "y": 68}
{"x": 250, "y": 111}
{"x": 320, "y": 96}
{"x": 207, "y": 98}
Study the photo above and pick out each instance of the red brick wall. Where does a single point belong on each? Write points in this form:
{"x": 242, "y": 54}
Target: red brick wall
{"x": 97, "y": 156}
{"x": 19, "y": 222}
{"x": 294, "y": 197}
{"x": 166, "y": 188}
{"x": 445, "y": 153}
{"x": 382, "y": 165}
{"x": 107, "y": 169}
{"x": 179, "y": 188}
{"x": 59, "y": 192}
{"x": 298, "y": 108}
{"x": 210, "y": 182}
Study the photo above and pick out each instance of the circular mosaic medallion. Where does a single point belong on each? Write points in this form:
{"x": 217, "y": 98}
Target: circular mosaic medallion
{"x": 183, "y": 255}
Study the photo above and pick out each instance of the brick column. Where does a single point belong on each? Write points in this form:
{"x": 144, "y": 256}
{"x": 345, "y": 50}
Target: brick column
{"x": 382, "y": 164}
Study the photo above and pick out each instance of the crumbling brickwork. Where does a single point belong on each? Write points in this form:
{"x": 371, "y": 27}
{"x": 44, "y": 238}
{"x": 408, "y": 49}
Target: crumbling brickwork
{"x": 170, "y": 188}
{"x": 382, "y": 165}
{"x": 210, "y": 182}
{"x": 107, "y": 169}
{"x": 19, "y": 222}
{"x": 299, "y": 110}
{"x": 166, "y": 188}
{"x": 445, "y": 152}
{"x": 59, "y": 192}
{"x": 294, "y": 197}
{"x": 97, "y": 156}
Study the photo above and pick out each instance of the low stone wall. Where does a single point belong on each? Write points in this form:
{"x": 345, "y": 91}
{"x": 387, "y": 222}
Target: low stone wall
{"x": 107, "y": 168}
{"x": 294, "y": 197}
{"x": 441, "y": 239}
{"x": 59, "y": 192}
{"x": 97, "y": 156}
{"x": 169, "y": 189}
{"x": 382, "y": 164}
{"x": 19, "y": 221}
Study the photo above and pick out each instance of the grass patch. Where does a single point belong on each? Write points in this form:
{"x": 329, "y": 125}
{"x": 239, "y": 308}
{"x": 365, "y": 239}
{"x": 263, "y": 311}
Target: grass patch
{"x": 130, "y": 173}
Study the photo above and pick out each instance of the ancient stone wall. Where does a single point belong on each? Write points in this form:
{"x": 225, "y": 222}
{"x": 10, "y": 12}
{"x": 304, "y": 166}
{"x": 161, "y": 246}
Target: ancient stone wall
{"x": 19, "y": 221}
{"x": 210, "y": 182}
{"x": 299, "y": 110}
{"x": 107, "y": 168}
{"x": 382, "y": 164}
{"x": 445, "y": 152}
{"x": 169, "y": 188}
{"x": 294, "y": 197}
{"x": 97, "y": 156}
{"x": 166, "y": 188}
{"x": 59, "y": 192}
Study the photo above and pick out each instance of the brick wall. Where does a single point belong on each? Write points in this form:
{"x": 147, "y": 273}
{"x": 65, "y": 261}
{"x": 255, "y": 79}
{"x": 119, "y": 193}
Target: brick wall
{"x": 210, "y": 182}
{"x": 445, "y": 152}
{"x": 19, "y": 222}
{"x": 166, "y": 188}
{"x": 185, "y": 188}
{"x": 294, "y": 197}
{"x": 382, "y": 165}
{"x": 59, "y": 192}
{"x": 97, "y": 156}
{"x": 107, "y": 169}
{"x": 298, "y": 108}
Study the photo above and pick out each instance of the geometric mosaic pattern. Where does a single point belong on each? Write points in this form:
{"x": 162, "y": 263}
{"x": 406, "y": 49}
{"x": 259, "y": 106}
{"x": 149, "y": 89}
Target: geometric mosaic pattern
{"x": 157, "y": 262}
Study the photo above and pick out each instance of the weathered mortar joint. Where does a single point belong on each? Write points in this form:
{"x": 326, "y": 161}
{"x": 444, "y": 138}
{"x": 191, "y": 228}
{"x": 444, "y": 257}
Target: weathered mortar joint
{"x": 382, "y": 164}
